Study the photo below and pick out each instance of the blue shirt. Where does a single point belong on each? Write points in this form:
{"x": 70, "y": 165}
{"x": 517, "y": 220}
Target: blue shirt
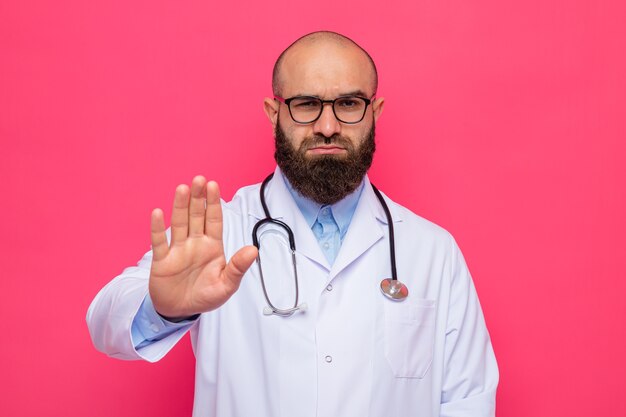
{"x": 329, "y": 224}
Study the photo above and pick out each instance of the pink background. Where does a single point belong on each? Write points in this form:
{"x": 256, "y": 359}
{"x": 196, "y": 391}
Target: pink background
{"x": 504, "y": 123}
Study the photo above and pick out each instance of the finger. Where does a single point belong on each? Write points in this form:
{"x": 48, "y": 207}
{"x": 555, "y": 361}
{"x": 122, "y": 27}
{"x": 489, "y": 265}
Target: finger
{"x": 213, "y": 217}
{"x": 197, "y": 206}
{"x": 239, "y": 263}
{"x": 180, "y": 214}
{"x": 157, "y": 235}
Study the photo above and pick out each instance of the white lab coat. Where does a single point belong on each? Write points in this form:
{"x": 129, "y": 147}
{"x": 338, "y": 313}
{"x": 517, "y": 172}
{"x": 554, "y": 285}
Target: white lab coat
{"x": 353, "y": 352}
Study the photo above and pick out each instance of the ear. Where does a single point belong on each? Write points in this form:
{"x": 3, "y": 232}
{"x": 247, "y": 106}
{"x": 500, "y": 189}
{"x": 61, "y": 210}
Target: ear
{"x": 271, "y": 108}
{"x": 377, "y": 107}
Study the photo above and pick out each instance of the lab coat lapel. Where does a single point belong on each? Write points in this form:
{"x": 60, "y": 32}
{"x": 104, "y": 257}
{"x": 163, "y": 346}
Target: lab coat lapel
{"x": 283, "y": 207}
{"x": 367, "y": 227}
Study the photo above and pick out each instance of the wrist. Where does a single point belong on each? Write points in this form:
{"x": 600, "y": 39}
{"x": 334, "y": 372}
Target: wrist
{"x": 178, "y": 319}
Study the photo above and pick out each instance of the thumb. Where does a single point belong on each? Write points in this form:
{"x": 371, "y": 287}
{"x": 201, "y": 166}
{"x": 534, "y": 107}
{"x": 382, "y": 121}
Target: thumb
{"x": 239, "y": 264}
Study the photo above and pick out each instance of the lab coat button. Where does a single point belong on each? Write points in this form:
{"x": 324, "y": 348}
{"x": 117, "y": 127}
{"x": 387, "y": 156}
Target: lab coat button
{"x": 328, "y": 359}
{"x": 329, "y": 287}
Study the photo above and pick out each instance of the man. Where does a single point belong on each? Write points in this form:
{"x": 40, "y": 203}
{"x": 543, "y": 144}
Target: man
{"x": 352, "y": 350}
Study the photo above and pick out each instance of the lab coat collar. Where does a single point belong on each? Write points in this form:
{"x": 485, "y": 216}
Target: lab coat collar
{"x": 366, "y": 227}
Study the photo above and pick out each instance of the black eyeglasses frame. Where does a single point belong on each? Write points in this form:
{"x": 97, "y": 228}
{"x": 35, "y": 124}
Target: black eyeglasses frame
{"x": 286, "y": 101}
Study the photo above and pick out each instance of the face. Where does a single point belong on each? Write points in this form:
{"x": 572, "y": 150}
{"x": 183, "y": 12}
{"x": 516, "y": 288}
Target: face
{"x": 324, "y": 160}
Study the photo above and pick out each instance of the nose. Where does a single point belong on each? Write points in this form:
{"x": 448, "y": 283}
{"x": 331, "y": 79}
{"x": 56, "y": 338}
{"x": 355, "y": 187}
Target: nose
{"x": 327, "y": 124}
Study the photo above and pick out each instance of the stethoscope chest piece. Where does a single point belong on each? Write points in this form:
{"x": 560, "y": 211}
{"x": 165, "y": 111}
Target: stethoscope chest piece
{"x": 394, "y": 289}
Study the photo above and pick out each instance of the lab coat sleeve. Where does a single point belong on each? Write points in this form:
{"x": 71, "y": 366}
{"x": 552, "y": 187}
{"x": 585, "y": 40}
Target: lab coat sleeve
{"x": 112, "y": 312}
{"x": 470, "y": 374}
{"x": 149, "y": 327}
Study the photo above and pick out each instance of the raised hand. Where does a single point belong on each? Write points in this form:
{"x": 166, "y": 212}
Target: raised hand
{"x": 191, "y": 275}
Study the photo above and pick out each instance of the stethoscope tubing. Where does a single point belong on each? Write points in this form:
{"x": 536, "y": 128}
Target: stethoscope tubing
{"x": 392, "y": 245}
{"x": 391, "y": 288}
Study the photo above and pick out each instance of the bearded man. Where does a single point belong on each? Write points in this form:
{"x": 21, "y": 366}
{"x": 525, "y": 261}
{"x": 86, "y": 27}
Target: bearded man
{"x": 373, "y": 313}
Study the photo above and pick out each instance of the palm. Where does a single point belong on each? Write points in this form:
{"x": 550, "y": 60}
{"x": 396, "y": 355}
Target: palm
{"x": 191, "y": 274}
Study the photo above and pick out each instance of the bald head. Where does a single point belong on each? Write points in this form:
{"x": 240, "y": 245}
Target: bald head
{"x": 315, "y": 49}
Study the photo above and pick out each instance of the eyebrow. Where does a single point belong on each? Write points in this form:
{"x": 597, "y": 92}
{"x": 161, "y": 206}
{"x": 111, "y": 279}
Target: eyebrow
{"x": 358, "y": 93}
{"x": 355, "y": 93}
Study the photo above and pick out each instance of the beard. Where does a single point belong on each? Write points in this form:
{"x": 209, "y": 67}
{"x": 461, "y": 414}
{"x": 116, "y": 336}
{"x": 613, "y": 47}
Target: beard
{"x": 325, "y": 179}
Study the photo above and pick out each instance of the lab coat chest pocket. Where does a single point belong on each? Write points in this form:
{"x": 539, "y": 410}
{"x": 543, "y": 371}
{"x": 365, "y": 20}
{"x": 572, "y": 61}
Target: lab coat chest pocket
{"x": 410, "y": 336}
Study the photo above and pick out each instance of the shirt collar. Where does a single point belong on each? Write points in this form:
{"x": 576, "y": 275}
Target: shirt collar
{"x": 342, "y": 210}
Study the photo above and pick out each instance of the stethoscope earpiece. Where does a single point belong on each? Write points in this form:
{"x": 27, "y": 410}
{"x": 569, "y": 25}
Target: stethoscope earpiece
{"x": 268, "y": 311}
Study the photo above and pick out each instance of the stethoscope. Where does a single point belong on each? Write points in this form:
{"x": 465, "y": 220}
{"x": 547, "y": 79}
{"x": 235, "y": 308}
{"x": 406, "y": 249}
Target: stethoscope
{"x": 390, "y": 287}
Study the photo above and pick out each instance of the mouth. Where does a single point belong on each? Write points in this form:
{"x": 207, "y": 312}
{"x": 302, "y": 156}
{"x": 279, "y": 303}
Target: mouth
{"x": 326, "y": 150}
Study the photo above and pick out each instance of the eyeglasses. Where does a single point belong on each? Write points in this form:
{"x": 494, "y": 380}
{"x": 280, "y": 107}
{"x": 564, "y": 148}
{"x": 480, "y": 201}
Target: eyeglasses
{"x": 305, "y": 109}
